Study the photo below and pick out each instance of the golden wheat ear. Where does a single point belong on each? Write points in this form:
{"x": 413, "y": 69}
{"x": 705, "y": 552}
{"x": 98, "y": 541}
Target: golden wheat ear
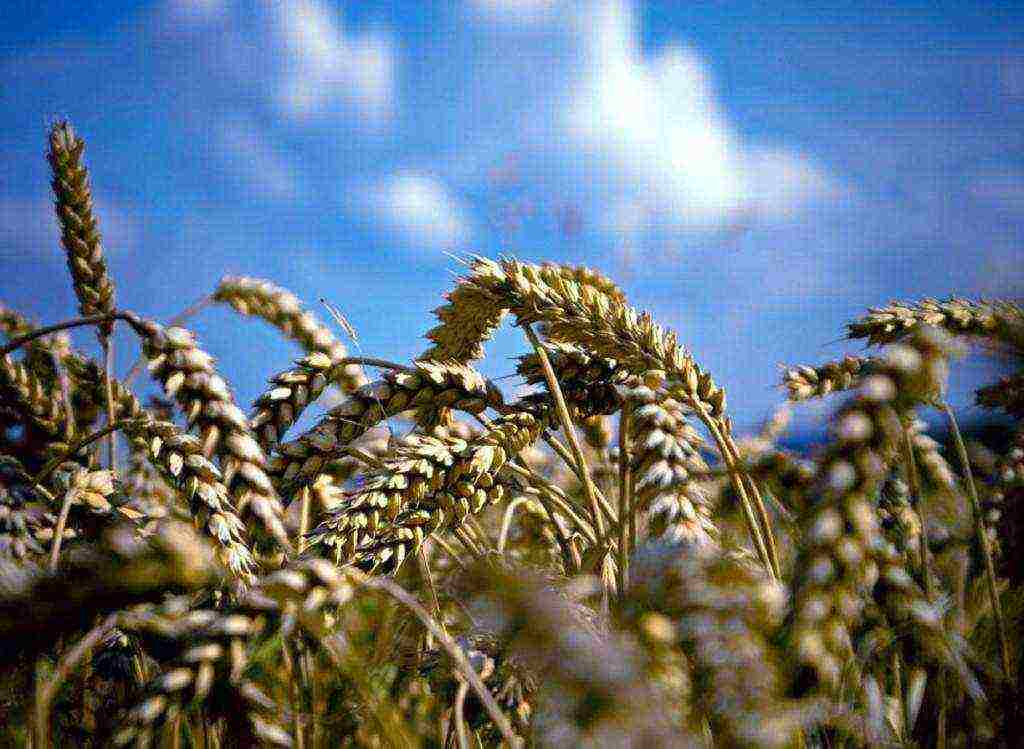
{"x": 999, "y": 321}
{"x": 429, "y": 389}
{"x": 91, "y": 579}
{"x": 845, "y": 564}
{"x": 724, "y": 614}
{"x": 187, "y": 374}
{"x": 79, "y": 228}
{"x": 292, "y": 391}
{"x": 804, "y": 382}
{"x": 666, "y": 458}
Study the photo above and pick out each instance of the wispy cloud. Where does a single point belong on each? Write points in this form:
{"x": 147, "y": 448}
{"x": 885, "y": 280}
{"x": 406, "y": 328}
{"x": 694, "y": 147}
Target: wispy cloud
{"x": 420, "y": 209}
{"x": 322, "y": 64}
{"x": 245, "y": 149}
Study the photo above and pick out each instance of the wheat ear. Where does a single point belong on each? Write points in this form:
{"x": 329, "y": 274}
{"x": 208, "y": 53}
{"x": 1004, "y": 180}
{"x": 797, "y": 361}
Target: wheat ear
{"x": 81, "y": 239}
{"x": 606, "y": 327}
{"x": 187, "y": 374}
{"x": 429, "y": 484}
{"x": 32, "y": 398}
{"x": 725, "y": 616}
{"x": 666, "y": 455}
{"x": 998, "y": 320}
{"x": 804, "y": 382}
{"x": 209, "y": 655}
{"x": 293, "y": 390}
{"x": 844, "y": 557}
{"x": 79, "y": 232}
{"x": 95, "y": 578}
{"x": 427, "y": 389}
{"x": 18, "y": 516}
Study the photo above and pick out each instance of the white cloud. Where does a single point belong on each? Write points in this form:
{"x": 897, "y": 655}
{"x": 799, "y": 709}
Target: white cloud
{"x": 783, "y": 183}
{"x": 322, "y": 65}
{"x": 642, "y": 138}
{"x": 420, "y": 207}
{"x": 297, "y": 56}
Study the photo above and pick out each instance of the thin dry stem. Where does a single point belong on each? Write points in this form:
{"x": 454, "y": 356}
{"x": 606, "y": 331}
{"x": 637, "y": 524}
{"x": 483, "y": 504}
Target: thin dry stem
{"x": 983, "y": 542}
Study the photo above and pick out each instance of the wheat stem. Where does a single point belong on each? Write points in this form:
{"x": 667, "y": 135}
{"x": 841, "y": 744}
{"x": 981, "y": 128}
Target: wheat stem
{"x": 563, "y": 452}
{"x": 107, "y": 344}
{"x": 99, "y": 434}
{"x": 914, "y": 482}
{"x": 626, "y": 516}
{"x": 451, "y": 647}
{"x": 78, "y": 322}
{"x": 47, "y": 690}
{"x": 758, "y": 503}
{"x": 979, "y": 526}
{"x": 570, "y": 432}
{"x": 58, "y": 531}
{"x": 558, "y": 497}
{"x": 753, "y": 526}
{"x": 300, "y": 542}
{"x": 506, "y": 521}
{"x": 459, "y": 716}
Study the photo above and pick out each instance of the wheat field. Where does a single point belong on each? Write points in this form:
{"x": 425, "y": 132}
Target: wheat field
{"x": 601, "y": 562}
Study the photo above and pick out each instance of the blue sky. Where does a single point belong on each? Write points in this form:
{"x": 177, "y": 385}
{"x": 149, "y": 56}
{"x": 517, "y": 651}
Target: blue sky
{"x": 755, "y": 174}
